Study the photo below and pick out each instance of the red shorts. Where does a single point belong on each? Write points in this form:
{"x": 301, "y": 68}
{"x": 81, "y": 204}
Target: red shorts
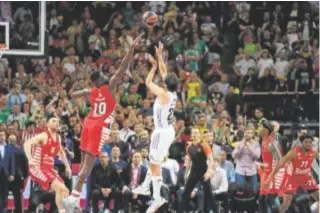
{"x": 95, "y": 132}
{"x": 44, "y": 177}
{"x": 276, "y": 183}
{"x": 306, "y": 182}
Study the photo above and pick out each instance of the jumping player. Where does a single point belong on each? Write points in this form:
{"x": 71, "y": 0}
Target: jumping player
{"x": 301, "y": 159}
{"x": 164, "y": 133}
{"x": 41, "y": 151}
{"x": 96, "y": 126}
{"x": 271, "y": 155}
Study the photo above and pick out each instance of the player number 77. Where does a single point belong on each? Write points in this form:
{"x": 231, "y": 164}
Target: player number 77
{"x": 304, "y": 163}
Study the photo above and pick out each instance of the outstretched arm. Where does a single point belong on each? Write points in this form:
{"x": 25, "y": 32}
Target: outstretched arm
{"x": 64, "y": 159}
{"x": 162, "y": 65}
{"x": 154, "y": 88}
{"x": 80, "y": 93}
{"x": 124, "y": 64}
{"x": 287, "y": 158}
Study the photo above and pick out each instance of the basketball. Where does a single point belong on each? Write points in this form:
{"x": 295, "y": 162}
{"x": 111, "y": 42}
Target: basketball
{"x": 150, "y": 19}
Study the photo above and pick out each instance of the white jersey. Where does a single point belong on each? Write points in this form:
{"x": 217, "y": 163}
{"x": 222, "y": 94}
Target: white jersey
{"x": 163, "y": 114}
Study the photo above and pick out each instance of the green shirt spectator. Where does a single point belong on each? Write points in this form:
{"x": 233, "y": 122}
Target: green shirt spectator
{"x": 4, "y": 113}
{"x": 177, "y": 46}
{"x": 191, "y": 57}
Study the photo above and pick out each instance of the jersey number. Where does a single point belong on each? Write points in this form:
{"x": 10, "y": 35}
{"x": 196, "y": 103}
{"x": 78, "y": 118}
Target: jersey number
{"x": 53, "y": 149}
{"x": 304, "y": 164}
{"x": 170, "y": 116}
{"x": 100, "y": 108}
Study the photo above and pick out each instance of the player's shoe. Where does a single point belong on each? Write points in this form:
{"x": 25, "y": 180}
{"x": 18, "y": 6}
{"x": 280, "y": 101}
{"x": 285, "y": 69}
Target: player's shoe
{"x": 156, "y": 204}
{"x": 140, "y": 190}
{"x": 71, "y": 203}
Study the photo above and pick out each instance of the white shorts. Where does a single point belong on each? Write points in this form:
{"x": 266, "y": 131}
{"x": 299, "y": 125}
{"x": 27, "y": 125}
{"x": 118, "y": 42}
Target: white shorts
{"x": 161, "y": 140}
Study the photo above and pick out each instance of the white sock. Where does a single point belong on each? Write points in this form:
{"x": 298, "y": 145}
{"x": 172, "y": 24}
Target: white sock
{"x": 75, "y": 194}
{"x": 62, "y": 211}
{"x": 147, "y": 180}
{"x": 156, "y": 184}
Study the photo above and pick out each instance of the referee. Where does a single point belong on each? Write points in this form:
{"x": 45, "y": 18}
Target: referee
{"x": 200, "y": 153}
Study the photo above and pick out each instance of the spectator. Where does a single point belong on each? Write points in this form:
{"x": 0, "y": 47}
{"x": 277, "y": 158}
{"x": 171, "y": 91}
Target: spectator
{"x": 131, "y": 177}
{"x": 173, "y": 166}
{"x": 242, "y": 67}
{"x": 177, "y": 46}
{"x": 264, "y": 62}
{"x": 21, "y": 13}
{"x": 16, "y": 96}
{"x": 7, "y": 170}
{"x": 126, "y": 132}
{"x": 21, "y": 174}
{"x": 219, "y": 184}
{"x": 246, "y": 153}
{"x": 4, "y": 109}
{"x": 123, "y": 146}
{"x": 267, "y": 82}
{"x": 232, "y": 102}
{"x": 117, "y": 162}
{"x": 192, "y": 57}
{"x": 105, "y": 181}
{"x": 145, "y": 156}
{"x": 282, "y": 65}
{"x": 18, "y": 116}
{"x": 227, "y": 166}
{"x": 304, "y": 78}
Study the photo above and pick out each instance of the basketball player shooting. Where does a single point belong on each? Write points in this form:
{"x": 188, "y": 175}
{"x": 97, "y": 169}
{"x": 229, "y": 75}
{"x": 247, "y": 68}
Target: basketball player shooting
{"x": 164, "y": 133}
{"x": 96, "y": 127}
{"x": 41, "y": 151}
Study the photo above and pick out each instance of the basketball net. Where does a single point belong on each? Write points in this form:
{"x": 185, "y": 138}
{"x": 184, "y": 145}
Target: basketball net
{"x": 3, "y": 48}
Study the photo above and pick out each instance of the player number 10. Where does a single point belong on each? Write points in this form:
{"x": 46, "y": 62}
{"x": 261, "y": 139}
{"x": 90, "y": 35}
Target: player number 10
{"x": 100, "y": 108}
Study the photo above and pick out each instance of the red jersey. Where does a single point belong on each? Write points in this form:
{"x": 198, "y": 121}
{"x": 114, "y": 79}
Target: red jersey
{"x": 267, "y": 156}
{"x": 102, "y": 103}
{"x": 42, "y": 171}
{"x": 269, "y": 147}
{"x": 45, "y": 153}
{"x": 302, "y": 164}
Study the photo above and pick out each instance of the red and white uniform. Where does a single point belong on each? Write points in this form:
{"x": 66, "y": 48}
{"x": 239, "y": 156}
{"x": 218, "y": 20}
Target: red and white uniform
{"x": 96, "y": 126}
{"x": 299, "y": 172}
{"x": 43, "y": 155}
{"x": 269, "y": 163}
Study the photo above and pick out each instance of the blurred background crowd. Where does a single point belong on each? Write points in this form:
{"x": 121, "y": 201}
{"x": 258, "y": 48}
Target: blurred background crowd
{"x": 239, "y": 63}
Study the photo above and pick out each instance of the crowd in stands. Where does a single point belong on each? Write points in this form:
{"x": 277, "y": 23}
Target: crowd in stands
{"x": 275, "y": 46}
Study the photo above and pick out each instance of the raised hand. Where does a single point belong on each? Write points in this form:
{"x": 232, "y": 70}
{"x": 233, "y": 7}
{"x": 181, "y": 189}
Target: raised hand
{"x": 152, "y": 61}
{"x": 159, "y": 50}
{"x": 137, "y": 40}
